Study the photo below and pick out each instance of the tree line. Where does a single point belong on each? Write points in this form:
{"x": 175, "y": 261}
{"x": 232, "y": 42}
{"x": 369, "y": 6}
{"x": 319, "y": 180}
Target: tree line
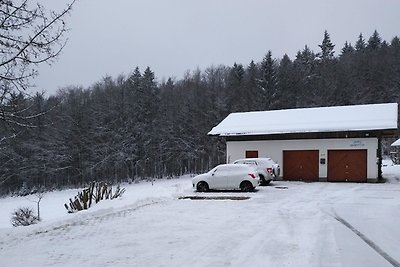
{"x": 133, "y": 127}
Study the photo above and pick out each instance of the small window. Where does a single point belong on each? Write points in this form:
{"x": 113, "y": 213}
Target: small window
{"x": 251, "y": 154}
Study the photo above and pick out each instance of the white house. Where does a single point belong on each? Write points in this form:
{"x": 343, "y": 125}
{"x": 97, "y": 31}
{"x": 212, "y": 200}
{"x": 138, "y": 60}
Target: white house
{"x": 340, "y": 143}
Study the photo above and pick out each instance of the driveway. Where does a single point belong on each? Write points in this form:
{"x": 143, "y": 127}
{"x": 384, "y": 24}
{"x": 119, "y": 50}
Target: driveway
{"x": 285, "y": 224}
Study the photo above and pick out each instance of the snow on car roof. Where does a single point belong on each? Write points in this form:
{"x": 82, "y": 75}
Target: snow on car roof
{"x": 303, "y": 120}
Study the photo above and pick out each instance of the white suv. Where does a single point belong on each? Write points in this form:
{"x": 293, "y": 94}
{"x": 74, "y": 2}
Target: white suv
{"x": 266, "y": 168}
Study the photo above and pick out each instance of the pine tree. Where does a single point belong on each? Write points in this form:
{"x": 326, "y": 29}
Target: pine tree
{"x": 347, "y": 49}
{"x": 236, "y": 88}
{"x": 238, "y": 71}
{"x": 305, "y": 65}
{"x": 287, "y": 93}
{"x": 135, "y": 78}
{"x": 395, "y": 43}
{"x": 327, "y": 52}
{"x": 306, "y": 57}
{"x": 255, "y": 93}
{"x": 360, "y": 44}
{"x": 269, "y": 79}
{"x": 375, "y": 41}
{"x": 149, "y": 99}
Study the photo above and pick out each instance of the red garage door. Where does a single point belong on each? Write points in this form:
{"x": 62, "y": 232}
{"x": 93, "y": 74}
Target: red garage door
{"x": 347, "y": 165}
{"x": 301, "y": 165}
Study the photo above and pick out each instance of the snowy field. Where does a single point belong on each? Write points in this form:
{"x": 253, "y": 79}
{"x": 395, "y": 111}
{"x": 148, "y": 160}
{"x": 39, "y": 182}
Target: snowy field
{"x": 285, "y": 224}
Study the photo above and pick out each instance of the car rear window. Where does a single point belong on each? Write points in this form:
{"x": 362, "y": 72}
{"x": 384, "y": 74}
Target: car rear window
{"x": 248, "y": 162}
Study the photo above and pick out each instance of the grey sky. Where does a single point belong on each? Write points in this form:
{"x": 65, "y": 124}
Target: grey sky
{"x": 173, "y": 36}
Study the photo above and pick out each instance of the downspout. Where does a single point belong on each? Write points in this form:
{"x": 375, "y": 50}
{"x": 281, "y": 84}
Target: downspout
{"x": 379, "y": 154}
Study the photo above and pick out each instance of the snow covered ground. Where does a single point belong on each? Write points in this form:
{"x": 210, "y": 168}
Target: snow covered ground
{"x": 285, "y": 224}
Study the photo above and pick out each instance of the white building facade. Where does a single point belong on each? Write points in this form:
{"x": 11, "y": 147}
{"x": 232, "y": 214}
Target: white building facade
{"x": 278, "y": 150}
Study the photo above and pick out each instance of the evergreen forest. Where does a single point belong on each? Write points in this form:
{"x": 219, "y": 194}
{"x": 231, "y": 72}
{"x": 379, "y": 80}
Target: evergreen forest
{"x": 135, "y": 127}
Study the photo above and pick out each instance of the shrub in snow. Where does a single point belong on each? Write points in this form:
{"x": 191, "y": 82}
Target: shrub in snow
{"x": 118, "y": 192}
{"x": 23, "y": 217}
{"x": 24, "y": 190}
{"x": 96, "y": 192}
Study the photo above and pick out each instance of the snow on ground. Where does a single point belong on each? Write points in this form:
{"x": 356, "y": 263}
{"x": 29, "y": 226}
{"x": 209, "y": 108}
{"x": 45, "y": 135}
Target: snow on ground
{"x": 285, "y": 224}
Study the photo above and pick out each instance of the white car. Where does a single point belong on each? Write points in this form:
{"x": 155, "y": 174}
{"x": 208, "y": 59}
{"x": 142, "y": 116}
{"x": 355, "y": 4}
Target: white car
{"x": 227, "y": 177}
{"x": 266, "y": 168}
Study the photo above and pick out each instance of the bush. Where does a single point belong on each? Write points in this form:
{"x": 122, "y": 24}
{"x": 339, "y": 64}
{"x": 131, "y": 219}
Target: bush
{"x": 96, "y": 192}
{"x": 23, "y": 217}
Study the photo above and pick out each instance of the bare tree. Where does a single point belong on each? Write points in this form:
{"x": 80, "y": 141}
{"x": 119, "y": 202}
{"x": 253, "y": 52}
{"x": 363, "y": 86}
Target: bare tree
{"x": 29, "y": 36}
{"x": 39, "y": 196}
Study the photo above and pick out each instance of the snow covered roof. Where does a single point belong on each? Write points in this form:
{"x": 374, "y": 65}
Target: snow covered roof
{"x": 309, "y": 120}
{"x": 396, "y": 143}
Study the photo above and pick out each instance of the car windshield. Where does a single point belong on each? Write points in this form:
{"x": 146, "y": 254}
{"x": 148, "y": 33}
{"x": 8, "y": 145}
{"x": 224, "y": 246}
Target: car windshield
{"x": 212, "y": 170}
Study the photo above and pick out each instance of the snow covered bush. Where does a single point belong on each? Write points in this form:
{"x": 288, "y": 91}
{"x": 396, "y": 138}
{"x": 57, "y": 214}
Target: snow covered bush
{"x": 23, "y": 217}
{"x": 96, "y": 192}
{"x": 118, "y": 192}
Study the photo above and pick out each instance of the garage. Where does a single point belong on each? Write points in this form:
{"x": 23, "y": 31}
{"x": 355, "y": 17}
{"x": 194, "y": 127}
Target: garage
{"x": 301, "y": 165}
{"x": 306, "y": 142}
{"x": 347, "y": 165}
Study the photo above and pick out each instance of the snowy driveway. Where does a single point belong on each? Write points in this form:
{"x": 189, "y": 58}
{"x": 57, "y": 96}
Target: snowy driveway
{"x": 277, "y": 226}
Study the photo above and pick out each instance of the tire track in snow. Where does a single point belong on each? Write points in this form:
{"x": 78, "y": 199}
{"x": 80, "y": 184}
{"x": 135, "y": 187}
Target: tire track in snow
{"x": 368, "y": 241}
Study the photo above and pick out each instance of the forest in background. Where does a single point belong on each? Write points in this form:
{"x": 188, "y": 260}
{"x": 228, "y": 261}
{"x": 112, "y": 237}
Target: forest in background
{"x": 133, "y": 127}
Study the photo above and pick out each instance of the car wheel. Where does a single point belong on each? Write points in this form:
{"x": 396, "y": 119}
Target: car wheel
{"x": 246, "y": 186}
{"x": 202, "y": 187}
{"x": 267, "y": 182}
{"x": 276, "y": 170}
{"x": 262, "y": 180}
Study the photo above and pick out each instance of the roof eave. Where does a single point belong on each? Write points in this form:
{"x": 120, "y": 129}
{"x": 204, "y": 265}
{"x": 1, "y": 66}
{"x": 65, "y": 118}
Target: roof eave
{"x": 314, "y": 135}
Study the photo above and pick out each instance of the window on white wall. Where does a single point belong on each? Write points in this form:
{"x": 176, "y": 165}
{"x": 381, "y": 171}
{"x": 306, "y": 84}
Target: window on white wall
{"x": 251, "y": 154}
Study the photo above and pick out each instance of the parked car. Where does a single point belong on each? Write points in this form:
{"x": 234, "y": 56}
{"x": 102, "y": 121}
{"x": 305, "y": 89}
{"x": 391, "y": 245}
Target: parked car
{"x": 227, "y": 177}
{"x": 267, "y": 168}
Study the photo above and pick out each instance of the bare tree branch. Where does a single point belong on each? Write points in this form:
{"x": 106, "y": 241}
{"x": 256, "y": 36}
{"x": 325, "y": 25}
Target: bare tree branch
{"x": 29, "y": 36}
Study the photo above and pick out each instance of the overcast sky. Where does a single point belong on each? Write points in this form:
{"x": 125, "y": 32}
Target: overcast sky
{"x": 173, "y": 36}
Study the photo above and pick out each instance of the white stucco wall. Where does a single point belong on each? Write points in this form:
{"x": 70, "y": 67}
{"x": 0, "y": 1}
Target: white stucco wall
{"x": 274, "y": 149}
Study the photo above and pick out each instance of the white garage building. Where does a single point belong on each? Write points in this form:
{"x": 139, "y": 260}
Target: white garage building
{"x": 313, "y": 144}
